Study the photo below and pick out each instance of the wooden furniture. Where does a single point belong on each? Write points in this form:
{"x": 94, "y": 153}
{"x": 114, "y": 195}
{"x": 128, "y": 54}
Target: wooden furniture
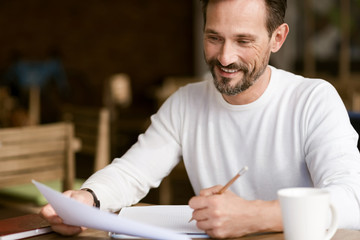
{"x": 92, "y": 128}
{"x": 42, "y": 152}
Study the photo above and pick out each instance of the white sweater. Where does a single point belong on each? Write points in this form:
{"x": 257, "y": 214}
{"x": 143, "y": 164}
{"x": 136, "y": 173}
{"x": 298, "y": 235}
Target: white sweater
{"x": 297, "y": 134}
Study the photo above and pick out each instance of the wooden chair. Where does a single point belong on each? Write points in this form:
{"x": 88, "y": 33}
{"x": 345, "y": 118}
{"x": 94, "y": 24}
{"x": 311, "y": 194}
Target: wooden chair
{"x": 43, "y": 152}
{"x": 92, "y": 128}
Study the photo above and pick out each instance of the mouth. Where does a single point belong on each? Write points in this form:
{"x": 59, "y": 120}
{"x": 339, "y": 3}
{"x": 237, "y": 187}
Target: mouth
{"x": 228, "y": 72}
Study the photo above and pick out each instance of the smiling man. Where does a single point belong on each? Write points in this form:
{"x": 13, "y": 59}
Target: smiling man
{"x": 289, "y": 130}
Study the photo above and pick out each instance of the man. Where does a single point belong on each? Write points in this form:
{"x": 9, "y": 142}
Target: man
{"x": 290, "y": 131}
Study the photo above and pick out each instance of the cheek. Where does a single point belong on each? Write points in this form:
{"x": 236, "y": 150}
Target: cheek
{"x": 210, "y": 51}
{"x": 248, "y": 57}
{"x": 255, "y": 55}
{"x": 248, "y": 54}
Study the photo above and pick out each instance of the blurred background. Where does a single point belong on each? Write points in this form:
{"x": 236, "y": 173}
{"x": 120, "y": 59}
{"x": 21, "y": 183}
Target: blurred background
{"x": 128, "y": 56}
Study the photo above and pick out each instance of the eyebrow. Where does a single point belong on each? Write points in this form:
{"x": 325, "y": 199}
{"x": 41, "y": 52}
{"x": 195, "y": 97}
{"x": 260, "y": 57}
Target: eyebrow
{"x": 240, "y": 35}
{"x": 210, "y": 31}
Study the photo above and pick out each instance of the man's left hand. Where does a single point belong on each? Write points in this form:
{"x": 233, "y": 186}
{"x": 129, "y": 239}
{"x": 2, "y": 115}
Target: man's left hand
{"x": 228, "y": 215}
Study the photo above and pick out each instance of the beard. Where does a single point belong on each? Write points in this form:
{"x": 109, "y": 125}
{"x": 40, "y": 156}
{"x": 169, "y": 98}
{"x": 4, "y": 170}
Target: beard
{"x": 250, "y": 76}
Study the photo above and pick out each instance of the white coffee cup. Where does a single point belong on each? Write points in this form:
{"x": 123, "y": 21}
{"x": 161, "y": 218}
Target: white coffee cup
{"x": 305, "y": 213}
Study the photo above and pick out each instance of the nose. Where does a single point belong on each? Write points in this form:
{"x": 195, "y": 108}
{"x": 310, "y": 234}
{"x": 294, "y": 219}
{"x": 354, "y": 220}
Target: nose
{"x": 227, "y": 54}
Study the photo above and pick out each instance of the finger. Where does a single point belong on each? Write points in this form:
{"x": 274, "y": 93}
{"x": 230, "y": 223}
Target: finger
{"x": 68, "y": 193}
{"x": 210, "y": 191}
{"x": 83, "y": 197}
{"x": 83, "y": 228}
{"x": 203, "y": 201}
{"x": 215, "y": 233}
{"x": 199, "y": 214}
{"x": 198, "y": 202}
{"x": 205, "y": 224}
{"x": 66, "y": 230}
{"x": 48, "y": 213}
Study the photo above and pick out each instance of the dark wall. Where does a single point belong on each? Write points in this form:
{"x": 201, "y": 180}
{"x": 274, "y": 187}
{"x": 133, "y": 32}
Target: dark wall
{"x": 97, "y": 38}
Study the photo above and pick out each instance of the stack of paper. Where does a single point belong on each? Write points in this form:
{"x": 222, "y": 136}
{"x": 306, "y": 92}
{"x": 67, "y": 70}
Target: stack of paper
{"x": 173, "y": 217}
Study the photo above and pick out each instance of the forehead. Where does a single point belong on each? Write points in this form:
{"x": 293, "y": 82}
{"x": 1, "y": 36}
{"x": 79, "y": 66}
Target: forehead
{"x": 236, "y": 15}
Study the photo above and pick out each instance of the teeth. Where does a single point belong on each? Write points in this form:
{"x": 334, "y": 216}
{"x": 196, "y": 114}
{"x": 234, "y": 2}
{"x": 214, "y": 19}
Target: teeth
{"x": 229, "y": 70}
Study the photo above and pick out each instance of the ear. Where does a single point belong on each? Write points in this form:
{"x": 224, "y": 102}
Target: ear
{"x": 279, "y": 36}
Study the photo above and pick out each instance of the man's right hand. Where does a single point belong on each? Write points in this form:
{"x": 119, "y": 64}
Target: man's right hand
{"x": 57, "y": 224}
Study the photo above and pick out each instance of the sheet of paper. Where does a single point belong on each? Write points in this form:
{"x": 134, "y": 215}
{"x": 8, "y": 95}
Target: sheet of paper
{"x": 174, "y": 217}
{"x": 78, "y": 214}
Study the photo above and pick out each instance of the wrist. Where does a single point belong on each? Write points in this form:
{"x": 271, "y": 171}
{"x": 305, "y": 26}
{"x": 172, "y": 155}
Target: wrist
{"x": 96, "y": 202}
{"x": 271, "y": 216}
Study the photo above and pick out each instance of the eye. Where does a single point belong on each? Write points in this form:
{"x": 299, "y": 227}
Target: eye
{"x": 213, "y": 38}
{"x": 244, "y": 41}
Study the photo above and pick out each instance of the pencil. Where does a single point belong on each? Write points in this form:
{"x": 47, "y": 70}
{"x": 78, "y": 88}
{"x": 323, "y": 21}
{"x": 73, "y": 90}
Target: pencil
{"x": 241, "y": 172}
{"x": 224, "y": 188}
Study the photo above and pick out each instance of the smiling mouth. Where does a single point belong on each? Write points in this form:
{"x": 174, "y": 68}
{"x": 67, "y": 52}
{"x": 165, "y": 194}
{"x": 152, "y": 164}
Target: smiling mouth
{"x": 227, "y": 70}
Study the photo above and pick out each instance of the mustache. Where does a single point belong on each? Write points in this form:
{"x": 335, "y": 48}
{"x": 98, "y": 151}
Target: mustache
{"x": 233, "y": 66}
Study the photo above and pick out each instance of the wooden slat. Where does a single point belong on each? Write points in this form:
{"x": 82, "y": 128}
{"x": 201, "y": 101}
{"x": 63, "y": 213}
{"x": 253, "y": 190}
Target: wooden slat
{"x": 24, "y": 134}
{"x": 51, "y": 174}
{"x": 37, "y": 129}
{"x": 33, "y": 170}
{"x": 41, "y": 161}
{"x": 31, "y": 148}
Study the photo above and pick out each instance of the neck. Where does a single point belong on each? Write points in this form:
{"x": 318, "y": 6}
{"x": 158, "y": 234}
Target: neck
{"x": 252, "y": 93}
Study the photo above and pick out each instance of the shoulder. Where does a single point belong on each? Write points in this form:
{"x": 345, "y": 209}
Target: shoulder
{"x": 200, "y": 87}
{"x": 193, "y": 92}
{"x": 187, "y": 98}
{"x": 292, "y": 82}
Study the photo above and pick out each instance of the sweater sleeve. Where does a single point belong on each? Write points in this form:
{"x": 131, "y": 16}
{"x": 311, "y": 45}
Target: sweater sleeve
{"x": 331, "y": 153}
{"x": 128, "y": 179}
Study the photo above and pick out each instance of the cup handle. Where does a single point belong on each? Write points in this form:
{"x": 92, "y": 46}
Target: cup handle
{"x": 334, "y": 223}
